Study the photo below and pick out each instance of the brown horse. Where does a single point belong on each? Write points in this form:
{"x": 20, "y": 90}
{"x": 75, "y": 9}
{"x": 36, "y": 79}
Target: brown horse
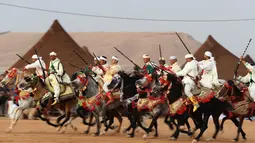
{"x": 44, "y": 100}
{"x": 242, "y": 103}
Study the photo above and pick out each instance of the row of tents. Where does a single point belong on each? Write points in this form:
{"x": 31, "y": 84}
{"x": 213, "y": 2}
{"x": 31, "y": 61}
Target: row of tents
{"x": 58, "y": 40}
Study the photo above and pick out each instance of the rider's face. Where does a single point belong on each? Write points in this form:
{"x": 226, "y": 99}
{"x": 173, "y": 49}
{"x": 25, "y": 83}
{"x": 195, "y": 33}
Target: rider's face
{"x": 53, "y": 57}
{"x": 172, "y": 61}
{"x": 34, "y": 59}
{"x": 114, "y": 61}
{"x": 146, "y": 60}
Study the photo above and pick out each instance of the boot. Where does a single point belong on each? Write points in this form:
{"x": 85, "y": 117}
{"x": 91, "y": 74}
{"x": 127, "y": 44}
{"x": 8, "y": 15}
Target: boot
{"x": 110, "y": 98}
{"x": 56, "y": 100}
{"x": 195, "y": 103}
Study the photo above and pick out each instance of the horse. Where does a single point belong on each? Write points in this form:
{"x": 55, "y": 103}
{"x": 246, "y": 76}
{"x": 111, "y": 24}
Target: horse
{"x": 125, "y": 105}
{"x": 13, "y": 78}
{"x": 243, "y": 106}
{"x": 44, "y": 99}
{"x": 174, "y": 94}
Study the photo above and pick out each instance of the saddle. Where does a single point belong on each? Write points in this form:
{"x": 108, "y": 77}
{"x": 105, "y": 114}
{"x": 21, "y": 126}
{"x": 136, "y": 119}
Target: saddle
{"x": 89, "y": 103}
{"x": 149, "y": 103}
{"x": 178, "y": 107}
{"x": 203, "y": 95}
{"x": 66, "y": 91}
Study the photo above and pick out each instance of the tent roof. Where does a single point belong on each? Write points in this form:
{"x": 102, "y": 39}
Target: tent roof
{"x": 58, "y": 40}
{"x": 226, "y": 61}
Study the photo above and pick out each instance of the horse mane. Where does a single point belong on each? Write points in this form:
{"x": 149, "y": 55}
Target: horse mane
{"x": 237, "y": 91}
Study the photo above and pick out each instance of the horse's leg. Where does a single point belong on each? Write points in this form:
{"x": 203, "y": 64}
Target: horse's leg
{"x": 203, "y": 127}
{"x": 241, "y": 118}
{"x": 154, "y": 119}
{"x": 67, "y": 118}
{"x": 169, "y": 123}
{"x": 156, "y": 129}
{"x": 236, "y": 122}
{"x": 90, "y": 120}
{"x": 130, "y": 126}
{"x": 118, "y": 116}
{"x": 175, "y": 135}
{"x": 70, "y": 123}
{"x": 222, "y": 123}
{"x": 217, "y": 126}
{"x": 60, "y": 118}
{"x": 96, "y": 115}
{"x": 15, "y": 119}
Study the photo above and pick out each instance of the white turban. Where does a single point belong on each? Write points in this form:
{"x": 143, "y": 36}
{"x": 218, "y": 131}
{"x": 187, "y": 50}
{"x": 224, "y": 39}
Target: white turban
{"x": 115, "y": 58}
{"x": 209, "y": 54}
{"x": 53, "y": 54}
{"x": 103, "y": 58}
{"x": 146, "y": 56}
{"x": 162, "y": 58}
{"x": 173, "y": 58}
{"x": 189, "y": 56}
{"x": 34, "y": 56}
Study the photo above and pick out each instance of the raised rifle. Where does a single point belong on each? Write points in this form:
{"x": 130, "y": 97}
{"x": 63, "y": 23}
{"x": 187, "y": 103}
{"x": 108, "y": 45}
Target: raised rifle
{"x": 23, "y": 59}
{"x": 127, "y": 58}
{"x": 81, "y": 58}
{"x": 183, "y": 43}
{"x": 239, "y": 62}
{"x": 100, "y": 66}
{"x": 160, "y": 55}
{"x": 44, "y": 76}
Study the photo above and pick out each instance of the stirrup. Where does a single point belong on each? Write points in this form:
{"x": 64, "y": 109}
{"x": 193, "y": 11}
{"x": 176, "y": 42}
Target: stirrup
{"x": 55, "y": 101}
{"x": 196, "y": 106}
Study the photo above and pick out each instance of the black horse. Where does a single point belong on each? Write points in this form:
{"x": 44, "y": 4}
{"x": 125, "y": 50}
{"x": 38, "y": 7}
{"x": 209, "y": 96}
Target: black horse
{"x": 125, "y": 107}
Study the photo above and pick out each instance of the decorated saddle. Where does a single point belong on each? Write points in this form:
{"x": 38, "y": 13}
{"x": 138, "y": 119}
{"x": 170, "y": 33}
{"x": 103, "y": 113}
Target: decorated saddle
{"x": 203, "y": 95}
{"x": 178, "y": 107}
{"x": 90, "y": 103}
{"x": 66, "y": 91}
{"x": 149, "y": 103}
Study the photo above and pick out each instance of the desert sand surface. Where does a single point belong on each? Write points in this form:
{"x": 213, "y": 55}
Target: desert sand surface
{"x": 36, "y": 131}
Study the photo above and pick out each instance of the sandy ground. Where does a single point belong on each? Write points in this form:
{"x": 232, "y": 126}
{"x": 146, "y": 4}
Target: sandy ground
{"x": 36, "y": 131}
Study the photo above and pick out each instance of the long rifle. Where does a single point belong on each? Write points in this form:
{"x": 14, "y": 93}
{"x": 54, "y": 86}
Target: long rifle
{"x": 81, "y": 57}
{"x": 239, "y": 62}
{"x": 127, "y": 57}
{"x": 160, "y": 55}
{"x": 23, "y": 59}
{"x": 99, "y": 65}
{"x": 75, "y": 66}
{"x": 183, "y": 43}
{"x": 44, "y": 76}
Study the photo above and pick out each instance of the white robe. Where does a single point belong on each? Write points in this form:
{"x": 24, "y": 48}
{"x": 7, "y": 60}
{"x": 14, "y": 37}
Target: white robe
{"x": 248, "y": 78}
{"x": 189, "y": 72}
{"x": 59, "y": 69}
{"x": 209, "y": 76}
{"x": 36, "y": 65}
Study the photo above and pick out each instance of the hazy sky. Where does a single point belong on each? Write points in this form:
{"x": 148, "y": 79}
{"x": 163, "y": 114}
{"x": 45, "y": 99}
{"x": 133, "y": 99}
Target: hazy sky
{"x": 232, "y": 35}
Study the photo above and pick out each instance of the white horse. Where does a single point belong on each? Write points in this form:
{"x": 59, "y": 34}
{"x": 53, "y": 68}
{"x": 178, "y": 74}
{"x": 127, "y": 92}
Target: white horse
{"x": 13, "y": 77}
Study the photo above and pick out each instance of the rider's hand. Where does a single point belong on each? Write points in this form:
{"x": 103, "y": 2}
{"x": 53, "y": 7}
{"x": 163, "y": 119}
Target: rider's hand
{"x": 90, "y": 66}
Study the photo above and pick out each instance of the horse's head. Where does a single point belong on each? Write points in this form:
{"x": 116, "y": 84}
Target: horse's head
{"x": 229, "y": 89}
{"x": 79, "y": 78}
{"x": 13, "y": 76}
{"x": 29, "y": 81}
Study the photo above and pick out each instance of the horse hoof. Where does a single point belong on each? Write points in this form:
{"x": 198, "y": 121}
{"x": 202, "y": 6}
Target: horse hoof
{"x": 173, "y": 138}
{"x": 222, "y": 131}
{"x": 62, "y": 132}
{"x": 235, "y": 140}
{"x": 8, "y": 131}
{"x": 75, "y": 129}
{"x": 145, "y": 136}
{"x": 210, "y": 139}
{"x": 58, "y": 129}
{"x": 102, "y": 133}
{"x": 194, "y": 141}
{"x": 86, "y": 132}
{"x": 130, "y": 136}
{"x": 95, "y": 134}
{"x": 182, "y": 128}
{"x": 124, "y": 131}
